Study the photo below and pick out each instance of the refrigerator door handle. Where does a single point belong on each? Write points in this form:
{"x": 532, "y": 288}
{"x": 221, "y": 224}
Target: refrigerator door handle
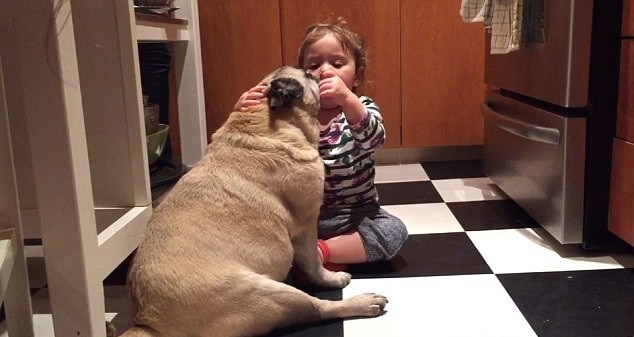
{"x": 520, "y": 128}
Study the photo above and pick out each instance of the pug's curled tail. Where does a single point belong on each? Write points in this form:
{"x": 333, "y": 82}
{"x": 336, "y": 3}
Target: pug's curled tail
{"x": 137, "y": 331}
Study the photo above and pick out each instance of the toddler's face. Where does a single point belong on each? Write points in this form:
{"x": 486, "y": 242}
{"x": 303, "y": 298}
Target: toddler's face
{"x": 328, "y": 54}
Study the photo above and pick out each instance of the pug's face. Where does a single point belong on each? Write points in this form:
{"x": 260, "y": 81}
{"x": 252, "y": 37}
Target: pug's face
{"x": 289, "y": 86}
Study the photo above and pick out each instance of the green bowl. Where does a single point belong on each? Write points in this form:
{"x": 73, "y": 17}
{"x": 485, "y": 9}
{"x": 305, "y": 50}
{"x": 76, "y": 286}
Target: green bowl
{"x": 156, "y": 143}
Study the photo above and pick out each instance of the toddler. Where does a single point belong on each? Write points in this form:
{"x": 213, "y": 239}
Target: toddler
{"x": 352, "y": 226}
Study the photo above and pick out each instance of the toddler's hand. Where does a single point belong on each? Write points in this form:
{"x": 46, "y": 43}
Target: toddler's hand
{"x": 333, "y": 91}
{"x": 251, "y": 98}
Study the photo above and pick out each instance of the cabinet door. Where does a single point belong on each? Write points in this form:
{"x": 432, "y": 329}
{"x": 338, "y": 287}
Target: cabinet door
{"x": 625, "y": 110}
{"x": 628, "y": 18}
{"x": 240, "y": 44}
{"x": 442, "y": 74}
{"x": 622, "y": 191}
{"x": 378, "y": 23}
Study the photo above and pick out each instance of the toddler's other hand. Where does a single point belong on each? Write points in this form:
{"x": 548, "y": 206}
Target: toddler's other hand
{"x": 251, "y": 98}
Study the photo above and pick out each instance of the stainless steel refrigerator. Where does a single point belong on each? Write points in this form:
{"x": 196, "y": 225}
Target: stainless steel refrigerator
{"x": 550, "y": 114}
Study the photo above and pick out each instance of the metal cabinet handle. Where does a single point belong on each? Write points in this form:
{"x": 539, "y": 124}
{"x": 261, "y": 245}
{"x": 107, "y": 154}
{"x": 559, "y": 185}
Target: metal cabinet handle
{"x": 520, "y": 128}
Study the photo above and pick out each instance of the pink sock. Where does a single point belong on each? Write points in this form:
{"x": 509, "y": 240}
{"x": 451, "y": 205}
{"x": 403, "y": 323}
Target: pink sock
{"x": 324, "y": 252}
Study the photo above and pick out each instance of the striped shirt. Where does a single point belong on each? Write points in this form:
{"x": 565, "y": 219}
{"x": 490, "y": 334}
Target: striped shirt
{"x": 348, "y": 155}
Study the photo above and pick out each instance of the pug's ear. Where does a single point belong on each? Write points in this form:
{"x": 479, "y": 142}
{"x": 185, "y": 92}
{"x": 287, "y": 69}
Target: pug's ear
{"x": 283, "y": 91}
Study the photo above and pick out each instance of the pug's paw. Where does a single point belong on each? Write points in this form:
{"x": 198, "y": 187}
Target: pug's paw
{"x": 331, "y": 279}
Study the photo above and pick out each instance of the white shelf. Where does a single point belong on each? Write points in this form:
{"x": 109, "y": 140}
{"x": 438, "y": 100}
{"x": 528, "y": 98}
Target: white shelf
{"x": 160, "y": 30}
{"x": 7, "y": 257}
{"x": 184, "y": 32}
{"x": 121, "y": 235}
{"x": 84, "y": 177}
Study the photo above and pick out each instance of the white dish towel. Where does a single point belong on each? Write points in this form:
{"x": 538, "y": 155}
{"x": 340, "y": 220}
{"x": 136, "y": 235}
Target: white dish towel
{"x": 502, "y": 17}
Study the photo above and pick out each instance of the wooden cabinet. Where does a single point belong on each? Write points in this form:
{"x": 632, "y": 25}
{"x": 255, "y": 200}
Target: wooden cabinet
{"x": 625, "y": 110}
{"x": 628, "y": 18}
{"x": 378, "y": 23}
{"x": 621, "y": 209}
{"x": 240, "y": 43}
{"x": 621, "y": 214}
{"x": 442, "y": 75}
{"x": 425, "y": 70}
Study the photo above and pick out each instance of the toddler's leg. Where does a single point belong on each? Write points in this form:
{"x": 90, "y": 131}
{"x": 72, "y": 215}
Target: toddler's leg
{"x": 383, "y": 235}
{"x": 363, "y": 234}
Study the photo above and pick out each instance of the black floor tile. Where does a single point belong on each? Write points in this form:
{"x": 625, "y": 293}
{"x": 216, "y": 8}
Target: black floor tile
{"x": 417, "y": 192}
{"x": 332, "y": 328}
{"x": 576, "y": 303}
{"x": 32, "y": 291}
{"x": 491, "y": 214}
{"x": 119, "y": 275}
{"x": 33, "y": 242}
{"x": 329, "y": 328}
{"x": 428, "y": 255}
{"x": 453, "y": 169}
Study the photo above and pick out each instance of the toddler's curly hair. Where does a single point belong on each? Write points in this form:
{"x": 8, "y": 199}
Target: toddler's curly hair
{"x": 352, "y": 43}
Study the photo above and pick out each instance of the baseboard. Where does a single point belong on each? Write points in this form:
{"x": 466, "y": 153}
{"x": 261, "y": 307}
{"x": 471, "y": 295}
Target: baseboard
{"x": 391, "y": 156}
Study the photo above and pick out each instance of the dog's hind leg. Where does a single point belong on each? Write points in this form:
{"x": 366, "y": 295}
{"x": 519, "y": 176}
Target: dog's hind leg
{"x": 274, "y": 304}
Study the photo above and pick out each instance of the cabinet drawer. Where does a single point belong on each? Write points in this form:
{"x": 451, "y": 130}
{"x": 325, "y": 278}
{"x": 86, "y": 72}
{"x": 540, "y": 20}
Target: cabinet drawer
{"x": 625, "y": 112}
{"x": 621, "y": 214}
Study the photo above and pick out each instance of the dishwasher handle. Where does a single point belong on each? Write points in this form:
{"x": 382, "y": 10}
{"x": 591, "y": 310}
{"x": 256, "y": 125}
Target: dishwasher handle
{"x": 520, "y": 128}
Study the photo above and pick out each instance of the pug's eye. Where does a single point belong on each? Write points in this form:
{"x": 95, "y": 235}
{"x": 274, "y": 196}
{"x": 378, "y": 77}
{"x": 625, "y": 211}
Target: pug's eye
{"x": 308, "y": 73}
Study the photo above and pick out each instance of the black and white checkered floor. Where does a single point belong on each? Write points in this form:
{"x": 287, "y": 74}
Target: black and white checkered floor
{"x": 475, "y": 265}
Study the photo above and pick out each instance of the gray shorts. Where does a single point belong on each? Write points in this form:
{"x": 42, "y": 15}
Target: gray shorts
{"x": 382, "y": 233}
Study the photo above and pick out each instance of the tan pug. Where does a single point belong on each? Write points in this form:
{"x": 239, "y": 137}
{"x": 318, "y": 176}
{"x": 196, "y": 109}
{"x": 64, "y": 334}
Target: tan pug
{"x": 219, "y": 246}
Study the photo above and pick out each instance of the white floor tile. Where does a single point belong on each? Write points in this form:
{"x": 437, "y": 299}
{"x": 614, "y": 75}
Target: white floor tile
{"x": 400, "y": 173}
{"x": 468, "y": 305}
{"x": 33, "y": 251}
{"x": 426, "y": 218}
{"x": 625, "y": 259}
{"x": 532, "y": 250}
{"x": 468, "y": 189}
{"x": 118, "y": 311}
{"x": 42, "y": 326}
